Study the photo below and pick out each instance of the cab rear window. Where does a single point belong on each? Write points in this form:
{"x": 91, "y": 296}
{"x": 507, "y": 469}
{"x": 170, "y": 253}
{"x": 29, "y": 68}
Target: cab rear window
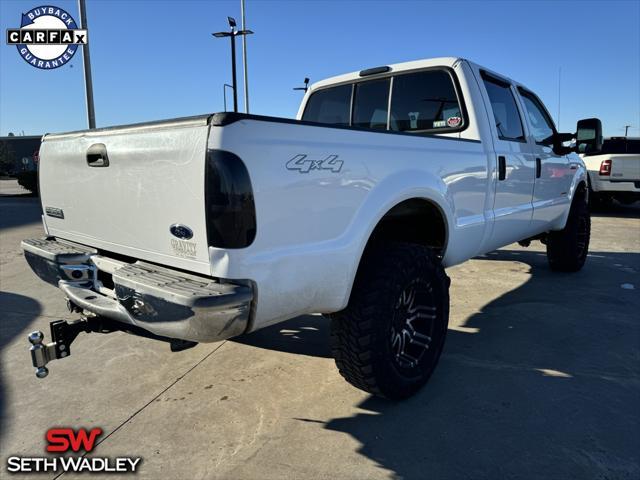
{"x": 370, "y": 104}
{"x": 422, "y": 101}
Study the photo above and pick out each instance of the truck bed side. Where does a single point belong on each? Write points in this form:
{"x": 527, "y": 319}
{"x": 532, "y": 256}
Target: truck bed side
{"x": 319, "y": 193}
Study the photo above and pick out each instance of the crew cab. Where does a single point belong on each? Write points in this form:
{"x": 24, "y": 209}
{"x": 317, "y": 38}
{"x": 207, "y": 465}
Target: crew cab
{"x": 614, "y": 171}
{"x": 204, "y": 228}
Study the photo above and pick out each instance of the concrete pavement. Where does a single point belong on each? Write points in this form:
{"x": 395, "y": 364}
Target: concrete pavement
{"x": 10, "y": 186}
{"x": 540, "y": 378}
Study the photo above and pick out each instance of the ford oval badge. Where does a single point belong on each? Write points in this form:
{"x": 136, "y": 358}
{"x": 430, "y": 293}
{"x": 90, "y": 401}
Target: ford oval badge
{"x": 181, "y": 231}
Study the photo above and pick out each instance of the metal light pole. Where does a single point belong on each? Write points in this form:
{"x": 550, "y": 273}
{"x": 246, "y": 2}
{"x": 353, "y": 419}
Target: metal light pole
{"x": 559, "y": 83}
{"x": 224, "y": 94}
{"x": 234, "y": 81}
{"x": 626, "y": 130}
{"x": 233, "y": 33}
{"x": 86, "y": 65}
{"x": 244, "y": 60}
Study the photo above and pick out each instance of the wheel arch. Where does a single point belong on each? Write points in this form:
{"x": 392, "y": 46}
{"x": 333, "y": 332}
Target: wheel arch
{"x": 419, "y": 220}
{"x": 579, "y": 190}
{"x": 414, "y": 220}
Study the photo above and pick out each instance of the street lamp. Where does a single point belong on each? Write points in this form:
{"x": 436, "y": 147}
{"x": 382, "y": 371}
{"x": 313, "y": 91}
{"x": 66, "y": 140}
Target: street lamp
{"x": 306, "y": 85}
{"x": 233, "y": 33}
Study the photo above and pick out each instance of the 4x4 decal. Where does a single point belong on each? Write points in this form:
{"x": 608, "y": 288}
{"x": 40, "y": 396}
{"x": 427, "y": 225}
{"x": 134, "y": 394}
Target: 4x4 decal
{"x": 304, "y": 165}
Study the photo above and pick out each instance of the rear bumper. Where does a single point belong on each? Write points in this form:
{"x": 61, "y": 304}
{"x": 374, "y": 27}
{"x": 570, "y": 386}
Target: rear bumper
{"x": 163, "y": 301}
{"x": 599, "y": 184}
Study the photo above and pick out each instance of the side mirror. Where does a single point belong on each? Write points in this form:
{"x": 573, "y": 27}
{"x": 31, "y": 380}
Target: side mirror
{"x": 589, "y": 135}
{"x": 559, "y": 139}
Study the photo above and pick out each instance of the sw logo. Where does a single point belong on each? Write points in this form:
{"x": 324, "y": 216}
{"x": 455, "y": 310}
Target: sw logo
{"x": 63, "y": 439}
{"x": 304, "y": 165}
{"x": 67, "y": 440}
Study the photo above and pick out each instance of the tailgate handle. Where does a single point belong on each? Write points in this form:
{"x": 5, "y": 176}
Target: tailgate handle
{"x": 97, "y": 155}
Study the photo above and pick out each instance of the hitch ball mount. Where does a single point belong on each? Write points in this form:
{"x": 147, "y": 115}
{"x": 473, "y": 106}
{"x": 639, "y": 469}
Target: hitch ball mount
{"x": 63, "y": 334}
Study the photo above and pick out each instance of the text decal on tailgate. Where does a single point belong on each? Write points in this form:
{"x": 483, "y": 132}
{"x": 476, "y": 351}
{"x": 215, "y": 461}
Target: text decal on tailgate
{"x": 182, "y": 248}
{"x": 54, "y": 212}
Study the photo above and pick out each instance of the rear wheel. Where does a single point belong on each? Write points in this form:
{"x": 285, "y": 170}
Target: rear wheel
{"x": 389, "y": 338}
{"x": 567, "y": 249}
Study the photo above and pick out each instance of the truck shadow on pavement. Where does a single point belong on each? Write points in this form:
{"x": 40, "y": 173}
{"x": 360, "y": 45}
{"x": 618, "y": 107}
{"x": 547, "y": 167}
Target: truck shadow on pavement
{"x": 617, "y": 210}
{"x": 18, "y": 210}
{"x": 305, "y": 335}
{"x": 543, "y": 382}
{"x": 18, "y": 312}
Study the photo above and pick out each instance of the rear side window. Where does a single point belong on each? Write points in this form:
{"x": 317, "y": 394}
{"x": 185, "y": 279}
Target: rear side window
{"x": 424, "y": 101}
{"x": 505, "y": 112}
{"x": 371, "y": 104}
{"x": 330, "y": 105}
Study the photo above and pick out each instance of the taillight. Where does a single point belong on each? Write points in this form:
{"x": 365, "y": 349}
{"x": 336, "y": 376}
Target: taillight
{"x": 605, "y": 167}
{"x": 230, "y": 209}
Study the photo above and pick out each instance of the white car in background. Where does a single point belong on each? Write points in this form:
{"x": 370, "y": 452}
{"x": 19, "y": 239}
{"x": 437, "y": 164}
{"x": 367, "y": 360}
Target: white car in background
{"x": 614, "y": 172}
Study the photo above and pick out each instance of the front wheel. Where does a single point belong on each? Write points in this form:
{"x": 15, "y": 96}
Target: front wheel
{"x": 389, "y": 338}
{"x": 567, "y": 249}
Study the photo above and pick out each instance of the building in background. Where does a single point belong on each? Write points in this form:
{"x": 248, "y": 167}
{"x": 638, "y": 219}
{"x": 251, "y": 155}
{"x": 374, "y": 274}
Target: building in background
{"x": 18, "y": 154}
{"x": 19, "y": 159}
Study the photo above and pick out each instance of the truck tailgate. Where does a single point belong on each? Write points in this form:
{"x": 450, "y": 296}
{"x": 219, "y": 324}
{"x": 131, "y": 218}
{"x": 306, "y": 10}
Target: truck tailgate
{"x": 121, "y": 189}
{"x": 625, "y": 167}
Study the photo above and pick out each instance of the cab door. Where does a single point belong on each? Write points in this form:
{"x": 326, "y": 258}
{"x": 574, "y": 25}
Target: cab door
{"x": 515, "y": 172}
{"x": 554, "y": 172}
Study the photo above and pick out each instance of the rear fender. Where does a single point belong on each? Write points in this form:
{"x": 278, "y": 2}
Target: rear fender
{"x": 392, "y": 191}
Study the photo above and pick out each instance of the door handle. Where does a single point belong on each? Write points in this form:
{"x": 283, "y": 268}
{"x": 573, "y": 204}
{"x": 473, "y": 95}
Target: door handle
{"x": 502, "y": 168}
{"x": 97, "y": 155}
{"x": 538, "y": 167}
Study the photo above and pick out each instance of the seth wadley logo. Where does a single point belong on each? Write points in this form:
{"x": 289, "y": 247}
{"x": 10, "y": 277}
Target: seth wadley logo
{"x": 66, "y": 440}
{"x": 48, "y": 37}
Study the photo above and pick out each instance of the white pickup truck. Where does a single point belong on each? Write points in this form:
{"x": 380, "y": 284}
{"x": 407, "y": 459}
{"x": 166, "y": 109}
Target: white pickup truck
{"x": 614, "y": 171}
{"x": 205, "y": 228}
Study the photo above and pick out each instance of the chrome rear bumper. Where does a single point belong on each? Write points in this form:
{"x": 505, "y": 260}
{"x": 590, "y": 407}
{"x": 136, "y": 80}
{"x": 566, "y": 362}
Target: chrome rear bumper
{"x": 163, "y": 301}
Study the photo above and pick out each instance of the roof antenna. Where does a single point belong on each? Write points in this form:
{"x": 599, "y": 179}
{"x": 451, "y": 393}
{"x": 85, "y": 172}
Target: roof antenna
{"x": 559, "y": 83}
{"x": 306, "y": 85}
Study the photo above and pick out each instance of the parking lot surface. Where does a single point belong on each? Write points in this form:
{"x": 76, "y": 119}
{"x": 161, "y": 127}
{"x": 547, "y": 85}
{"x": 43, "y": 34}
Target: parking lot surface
{"x": 540, "y": 378}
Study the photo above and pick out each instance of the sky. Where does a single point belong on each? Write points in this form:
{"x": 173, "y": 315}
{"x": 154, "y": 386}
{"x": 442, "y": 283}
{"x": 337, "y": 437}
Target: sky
{"x": 156, "y": 59}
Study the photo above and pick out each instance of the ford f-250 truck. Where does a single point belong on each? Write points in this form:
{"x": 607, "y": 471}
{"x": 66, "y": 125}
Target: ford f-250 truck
{"x": 205, "y": 228}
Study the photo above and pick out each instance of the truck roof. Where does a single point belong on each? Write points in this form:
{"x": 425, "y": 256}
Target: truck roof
{"x": 400, "y": 67}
